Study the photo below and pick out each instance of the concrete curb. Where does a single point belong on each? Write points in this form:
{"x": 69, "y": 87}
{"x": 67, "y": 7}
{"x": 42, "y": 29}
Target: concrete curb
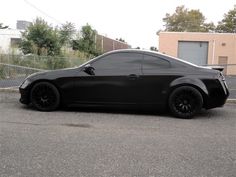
{"x": 16, "y": 90}
{"x": 10, "y": 90}
{"x": 231, "y": 101}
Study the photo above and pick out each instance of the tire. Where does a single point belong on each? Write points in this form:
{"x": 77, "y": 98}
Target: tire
{"x": 44, "y": 96}
{"x": 185, "y": 102}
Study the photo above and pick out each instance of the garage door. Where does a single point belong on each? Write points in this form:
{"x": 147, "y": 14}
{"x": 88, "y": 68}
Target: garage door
{"x": 194, "y": 52}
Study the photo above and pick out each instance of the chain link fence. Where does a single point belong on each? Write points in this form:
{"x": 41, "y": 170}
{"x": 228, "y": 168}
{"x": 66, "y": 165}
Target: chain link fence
{"x": 41, "y": 62}
{"x": 15, "y": 68}
{"x": 13, "y": 75}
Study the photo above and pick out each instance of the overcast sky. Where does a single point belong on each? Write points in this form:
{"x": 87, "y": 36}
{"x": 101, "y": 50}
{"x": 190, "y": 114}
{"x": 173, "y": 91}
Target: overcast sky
{"x": 136, "y": 21}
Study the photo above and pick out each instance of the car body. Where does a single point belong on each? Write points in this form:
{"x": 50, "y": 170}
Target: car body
{"x": 129, "y": 77}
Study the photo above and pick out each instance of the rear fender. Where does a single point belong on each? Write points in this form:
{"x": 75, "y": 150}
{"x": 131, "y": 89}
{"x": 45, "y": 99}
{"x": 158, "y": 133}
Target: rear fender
{"x": 195, "y": 82}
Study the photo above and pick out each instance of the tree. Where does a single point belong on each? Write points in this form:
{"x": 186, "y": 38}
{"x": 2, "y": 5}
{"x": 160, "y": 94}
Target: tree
{"x": 228, "y": 24}
{"x": 3, "y": 27}
{"x": 66, "y": 33}
{"x": 153, "y": 48}
{"x": 86, "y": 41}
{"x": 187, "y": 20}
{"x": 40, "y": 39}
{"x": 121, "y": 40}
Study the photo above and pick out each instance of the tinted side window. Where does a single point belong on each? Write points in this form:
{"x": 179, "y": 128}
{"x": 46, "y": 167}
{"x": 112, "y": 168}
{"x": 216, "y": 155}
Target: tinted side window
{"x": 154, "y": 62}
{"x": 119, "y": 61}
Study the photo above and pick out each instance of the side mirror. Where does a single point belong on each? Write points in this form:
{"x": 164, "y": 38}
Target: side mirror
{"x": 89, "y": 69}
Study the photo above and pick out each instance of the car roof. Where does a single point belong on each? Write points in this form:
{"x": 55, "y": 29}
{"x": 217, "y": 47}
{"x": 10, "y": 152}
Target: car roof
{"x": 152, "y": 52}
{"x": 164, "y": 56}
{"x": 131, "y": 50}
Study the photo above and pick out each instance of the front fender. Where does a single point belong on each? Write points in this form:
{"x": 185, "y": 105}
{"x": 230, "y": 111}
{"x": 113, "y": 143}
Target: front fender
{"x": 191, "y": 81}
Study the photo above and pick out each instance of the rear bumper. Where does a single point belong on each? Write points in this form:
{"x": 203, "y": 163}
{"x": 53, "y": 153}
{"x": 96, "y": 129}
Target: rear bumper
{"x": 24, "y": 99}
{"x": 217, "y": 96}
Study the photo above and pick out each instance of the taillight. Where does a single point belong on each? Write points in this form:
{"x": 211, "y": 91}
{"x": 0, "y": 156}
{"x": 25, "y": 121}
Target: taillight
{"x": 221, "y": 76}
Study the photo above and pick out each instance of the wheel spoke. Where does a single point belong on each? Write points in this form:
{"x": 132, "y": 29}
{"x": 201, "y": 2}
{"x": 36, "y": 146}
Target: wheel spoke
{"x": 184, "y": 102}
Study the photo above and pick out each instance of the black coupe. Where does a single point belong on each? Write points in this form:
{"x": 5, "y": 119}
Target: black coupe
{"x": 129, "y": 78}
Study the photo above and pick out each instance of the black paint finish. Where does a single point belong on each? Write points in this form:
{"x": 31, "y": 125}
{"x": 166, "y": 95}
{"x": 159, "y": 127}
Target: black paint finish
{"x": 130, "y": 77}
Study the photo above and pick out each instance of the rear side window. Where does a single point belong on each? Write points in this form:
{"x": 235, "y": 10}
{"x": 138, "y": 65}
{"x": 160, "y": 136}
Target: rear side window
{"x": 154, "y": 63}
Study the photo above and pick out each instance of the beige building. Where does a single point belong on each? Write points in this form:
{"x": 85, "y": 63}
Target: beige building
{"x": 201, "y": 48}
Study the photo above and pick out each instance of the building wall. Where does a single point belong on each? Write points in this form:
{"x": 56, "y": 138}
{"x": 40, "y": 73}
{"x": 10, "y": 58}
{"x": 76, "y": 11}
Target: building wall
{"x": 6, "y": 37}
{"x": 220, "y": 45}
{"x": 106, "y": 44}
{"x": 22, "y": 24}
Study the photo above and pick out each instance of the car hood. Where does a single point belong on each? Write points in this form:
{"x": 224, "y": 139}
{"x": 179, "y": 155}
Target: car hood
{"x": 53, "y": 74}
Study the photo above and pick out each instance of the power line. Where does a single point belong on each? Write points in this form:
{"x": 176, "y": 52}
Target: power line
{"x": 41, "y": 11}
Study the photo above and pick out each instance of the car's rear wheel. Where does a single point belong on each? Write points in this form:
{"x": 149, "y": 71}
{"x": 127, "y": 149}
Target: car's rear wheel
{"x": 45, "y": 96}
{"x": 185, "y": 102}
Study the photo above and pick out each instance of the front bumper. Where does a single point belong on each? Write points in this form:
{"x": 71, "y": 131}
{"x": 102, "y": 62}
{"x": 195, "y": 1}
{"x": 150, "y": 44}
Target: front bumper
{"x": 25, "y": 98}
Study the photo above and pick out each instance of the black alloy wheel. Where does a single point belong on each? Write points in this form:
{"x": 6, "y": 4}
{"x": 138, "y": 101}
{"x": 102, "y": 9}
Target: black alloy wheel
{"x": 185, "y": 102}
{"x": 45, "y": 96}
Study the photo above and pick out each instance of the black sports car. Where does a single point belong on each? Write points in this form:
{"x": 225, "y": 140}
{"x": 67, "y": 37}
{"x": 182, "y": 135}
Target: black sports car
{"x": 129, "y": 77}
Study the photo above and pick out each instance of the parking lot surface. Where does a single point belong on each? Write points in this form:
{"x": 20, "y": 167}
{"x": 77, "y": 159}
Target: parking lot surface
{"x": 82, "y": 142}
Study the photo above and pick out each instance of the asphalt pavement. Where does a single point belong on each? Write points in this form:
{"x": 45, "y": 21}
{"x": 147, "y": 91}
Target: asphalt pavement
{"x": 94, "y": 143}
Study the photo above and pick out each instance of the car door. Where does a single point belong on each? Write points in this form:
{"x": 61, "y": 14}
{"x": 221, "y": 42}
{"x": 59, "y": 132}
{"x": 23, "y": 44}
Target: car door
{"x": 114, "y": 79}
{"x": 155, "y": 79}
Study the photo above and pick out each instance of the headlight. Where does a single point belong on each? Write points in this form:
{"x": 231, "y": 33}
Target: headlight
{"x": 25, "y": 84}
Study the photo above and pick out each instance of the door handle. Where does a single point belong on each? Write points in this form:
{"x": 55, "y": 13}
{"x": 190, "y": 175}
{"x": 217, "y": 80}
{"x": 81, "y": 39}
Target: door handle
{"x": 133, "y": 76}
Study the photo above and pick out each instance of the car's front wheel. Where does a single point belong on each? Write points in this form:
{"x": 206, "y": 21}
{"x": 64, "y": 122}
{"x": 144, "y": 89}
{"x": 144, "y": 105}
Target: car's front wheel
{"x": 45, "y": 96}
{"x": 185, "y": 102}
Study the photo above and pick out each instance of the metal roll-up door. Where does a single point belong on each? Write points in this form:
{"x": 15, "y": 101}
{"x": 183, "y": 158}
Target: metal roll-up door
{"x": 194, "y": 52}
